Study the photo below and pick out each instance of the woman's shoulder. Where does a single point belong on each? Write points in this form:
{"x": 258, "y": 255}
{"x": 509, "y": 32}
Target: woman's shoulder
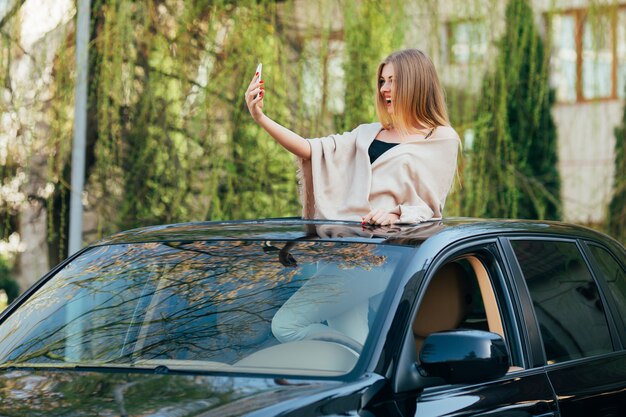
{"x": 365, "y": 132}
{"x": 361, "y": 130}
{"x": 369, "y": 128}
{"x": 445, "y": 132}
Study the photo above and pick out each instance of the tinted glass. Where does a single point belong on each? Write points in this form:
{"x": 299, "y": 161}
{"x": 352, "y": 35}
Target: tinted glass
{"x": 566, "y": 299}
{"x": 613, "y": 274}
{"x": 301, "y": 308}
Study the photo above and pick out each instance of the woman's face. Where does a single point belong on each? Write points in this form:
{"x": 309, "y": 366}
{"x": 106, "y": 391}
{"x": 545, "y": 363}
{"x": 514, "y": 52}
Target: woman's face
{"x": 386, "y": 86}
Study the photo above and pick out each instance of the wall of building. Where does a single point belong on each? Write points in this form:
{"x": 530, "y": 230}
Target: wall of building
{"x": 586, "y": 158}
{"x": 585, "y": 129}
{"x": 586, "y": 140}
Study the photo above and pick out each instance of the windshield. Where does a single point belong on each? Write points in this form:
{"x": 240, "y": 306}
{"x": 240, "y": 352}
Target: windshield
{"x": 301, "y": 308}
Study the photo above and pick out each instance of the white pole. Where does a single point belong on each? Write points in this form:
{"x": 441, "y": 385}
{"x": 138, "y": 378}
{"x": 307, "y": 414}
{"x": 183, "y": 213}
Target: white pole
{"x": 75, "y": 309}
{"x": 80, "y": 127}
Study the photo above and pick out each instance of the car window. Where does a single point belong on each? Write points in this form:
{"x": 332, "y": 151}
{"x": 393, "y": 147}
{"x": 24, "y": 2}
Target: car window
{"x": 302, "y": 308}
{"x": 613, "y": 274}
{"x": 459, "y": 296}
{"x": 567, "y": 303}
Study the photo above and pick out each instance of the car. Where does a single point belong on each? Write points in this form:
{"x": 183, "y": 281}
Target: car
{"x": 292, "y": 317}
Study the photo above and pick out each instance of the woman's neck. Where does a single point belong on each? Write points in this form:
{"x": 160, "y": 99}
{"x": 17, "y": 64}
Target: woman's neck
{"x": 391, "y": 134}
{"x": 410, "y": 132}
{"x": 417, "y": 129}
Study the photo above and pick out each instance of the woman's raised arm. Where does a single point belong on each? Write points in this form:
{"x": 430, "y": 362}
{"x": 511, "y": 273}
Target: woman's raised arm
{"x": 289, "y": 140}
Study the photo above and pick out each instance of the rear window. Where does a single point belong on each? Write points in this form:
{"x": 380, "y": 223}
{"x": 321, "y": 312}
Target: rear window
{"x": 613, "y": 274}
{"x": 301, "y": 308}
{"x": 567, "y": 302}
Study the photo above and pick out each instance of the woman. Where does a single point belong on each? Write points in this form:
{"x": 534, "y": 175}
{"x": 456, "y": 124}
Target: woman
{"x": 399, "y": 170}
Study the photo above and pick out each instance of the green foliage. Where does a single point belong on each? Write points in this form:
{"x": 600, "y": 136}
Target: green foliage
{"x": 8, "y": 166}
{"x": 369, "y": 37}
{"x": 171, "y": 146}
{"x": 616, "y": 216}
{"x": 513, "y": 167}
{"x": 258, "y": 175}
{"x": 530, "y": 122}
{"x": 7, "y": 283}
{"x": 143, "y": 149}
{"x": 61, "y": 137}
{"x": 490, "y": 178}
{"x": 173, "y": 140}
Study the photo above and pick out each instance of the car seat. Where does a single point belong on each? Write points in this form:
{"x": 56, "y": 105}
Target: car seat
{"x": 445, "y": 304}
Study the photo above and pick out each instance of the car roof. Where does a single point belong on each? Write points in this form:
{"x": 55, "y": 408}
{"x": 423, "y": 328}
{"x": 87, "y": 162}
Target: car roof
{"x": 447, "y": 230}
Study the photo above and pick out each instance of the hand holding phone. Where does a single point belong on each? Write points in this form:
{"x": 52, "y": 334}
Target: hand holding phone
{"x": 254, "y": 94}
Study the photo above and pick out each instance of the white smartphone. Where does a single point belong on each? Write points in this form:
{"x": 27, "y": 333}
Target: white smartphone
{"x": 259, "y": 68}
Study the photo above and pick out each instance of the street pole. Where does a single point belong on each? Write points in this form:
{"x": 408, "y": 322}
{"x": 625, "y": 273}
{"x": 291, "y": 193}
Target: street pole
{"x": 80, "y": 127}
{"x": 76, "y": 308}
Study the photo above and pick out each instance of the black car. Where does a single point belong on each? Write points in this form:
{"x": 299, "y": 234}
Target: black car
{"x": 287, "y": 317}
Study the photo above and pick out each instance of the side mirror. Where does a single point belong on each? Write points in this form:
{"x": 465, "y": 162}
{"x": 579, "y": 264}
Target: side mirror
{"x": 464, "y": 356}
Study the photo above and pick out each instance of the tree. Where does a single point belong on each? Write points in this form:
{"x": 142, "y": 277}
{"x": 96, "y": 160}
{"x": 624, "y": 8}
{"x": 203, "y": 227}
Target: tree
{"x": 369, "y": 38}
{"x": 26, "y": 103}
{"x": 616, "y": 217}
{"x": 513, "y": 170}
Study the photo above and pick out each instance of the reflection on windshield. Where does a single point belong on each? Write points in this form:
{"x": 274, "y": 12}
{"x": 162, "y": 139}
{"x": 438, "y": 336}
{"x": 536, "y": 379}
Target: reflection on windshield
{"x": 220, "y": 303}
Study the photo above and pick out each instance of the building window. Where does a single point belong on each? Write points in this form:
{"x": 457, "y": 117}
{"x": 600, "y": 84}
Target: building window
{"x": 588, "y": 57}
{"x": 467, "y": 41}
{"x": 563, "y": 60}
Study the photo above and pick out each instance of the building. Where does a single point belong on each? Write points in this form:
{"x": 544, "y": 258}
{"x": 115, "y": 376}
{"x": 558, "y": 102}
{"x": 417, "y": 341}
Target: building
{"x": 587, "y": 41}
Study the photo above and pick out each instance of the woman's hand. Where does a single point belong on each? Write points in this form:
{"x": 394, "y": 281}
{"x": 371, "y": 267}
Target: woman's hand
{"x": 289, "y": 140}
{"x": 381, "y": 218}
{"x": 254, "y": 97}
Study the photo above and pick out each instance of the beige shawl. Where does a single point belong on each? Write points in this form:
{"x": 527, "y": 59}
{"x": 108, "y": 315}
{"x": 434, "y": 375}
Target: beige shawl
{"x": 411, "y": 179}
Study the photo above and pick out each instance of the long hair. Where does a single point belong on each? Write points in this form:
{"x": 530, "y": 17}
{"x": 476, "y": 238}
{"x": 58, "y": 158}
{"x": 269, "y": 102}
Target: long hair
{"x": 418, "y": 98}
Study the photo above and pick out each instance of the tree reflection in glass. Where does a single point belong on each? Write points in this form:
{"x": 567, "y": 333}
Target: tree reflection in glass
{"x": 209, "y": 301}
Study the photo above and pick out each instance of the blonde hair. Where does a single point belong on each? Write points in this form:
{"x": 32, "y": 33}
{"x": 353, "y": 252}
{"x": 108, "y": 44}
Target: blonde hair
{"x": 418, "y": 98}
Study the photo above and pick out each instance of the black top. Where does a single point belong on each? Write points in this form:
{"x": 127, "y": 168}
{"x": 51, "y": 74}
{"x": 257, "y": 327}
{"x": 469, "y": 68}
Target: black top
{"x": 377, "y": 148}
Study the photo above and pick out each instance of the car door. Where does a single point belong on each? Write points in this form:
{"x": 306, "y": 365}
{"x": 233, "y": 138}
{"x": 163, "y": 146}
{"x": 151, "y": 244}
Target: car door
{"x": 525, "y": 390}
{"x": 584, "y": 356}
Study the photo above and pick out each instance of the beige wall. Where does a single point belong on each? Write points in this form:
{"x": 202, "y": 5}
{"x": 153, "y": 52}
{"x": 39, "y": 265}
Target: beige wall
{"x": 586, "y": 158}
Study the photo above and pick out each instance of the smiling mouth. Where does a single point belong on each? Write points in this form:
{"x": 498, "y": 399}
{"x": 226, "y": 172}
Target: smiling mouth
{"x": 388, "y": 100}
